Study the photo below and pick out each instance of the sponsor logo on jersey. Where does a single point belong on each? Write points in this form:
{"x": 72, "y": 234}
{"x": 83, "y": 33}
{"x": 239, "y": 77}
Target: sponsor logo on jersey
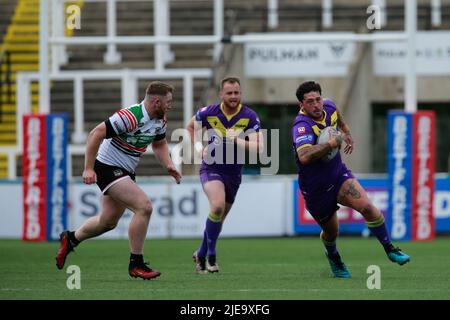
{"x": 301, "y": 130}
{"x": 307, "y": 138}
{"x": 116, "y": 125}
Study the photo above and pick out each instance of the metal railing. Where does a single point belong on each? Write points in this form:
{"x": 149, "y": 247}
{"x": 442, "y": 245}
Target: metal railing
{"x": 161, "y": 22}
{"x": 129, "y": 79}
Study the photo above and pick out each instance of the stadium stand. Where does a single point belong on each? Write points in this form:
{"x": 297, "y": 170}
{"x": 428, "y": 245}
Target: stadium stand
{"x": 20, "y": 23}
{"x": 101, "y": 98}
{"x": 18, "y": 52}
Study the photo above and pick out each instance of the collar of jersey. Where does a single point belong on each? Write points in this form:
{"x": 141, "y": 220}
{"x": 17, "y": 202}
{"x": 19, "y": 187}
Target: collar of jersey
{"x": 322, "y": 122}
{"x": 229, "y": 117}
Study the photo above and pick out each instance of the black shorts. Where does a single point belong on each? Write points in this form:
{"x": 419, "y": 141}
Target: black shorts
{"x": 108, "y": 175}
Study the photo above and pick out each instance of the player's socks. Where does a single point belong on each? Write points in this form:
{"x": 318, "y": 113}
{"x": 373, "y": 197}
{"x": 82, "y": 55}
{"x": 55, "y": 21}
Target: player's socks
{"x": 213, "y": 227}
{"x": 202, "y": 250}
{"x": 140, "y": 269}
{"x": 200, "y": 263}
{"x": 73, "y": 241}
{"x": 338, "y": 267}
{"x": 136, "y": 259}
{"x": 330, "y": 246}
{"x": 379, "y": 230}
{"x": 211, "y": 264}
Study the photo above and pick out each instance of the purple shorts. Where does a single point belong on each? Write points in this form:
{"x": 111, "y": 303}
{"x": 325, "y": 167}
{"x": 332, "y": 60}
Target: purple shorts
{"x": 323, "y": 205}
{"x": 230, "y": 181}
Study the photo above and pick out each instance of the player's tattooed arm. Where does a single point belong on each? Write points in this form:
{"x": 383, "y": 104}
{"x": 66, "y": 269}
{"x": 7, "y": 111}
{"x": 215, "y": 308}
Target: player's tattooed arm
{"x": 346, "y": 130}
{"x": 313, "y": 153}
{"x": 342, "y": 124}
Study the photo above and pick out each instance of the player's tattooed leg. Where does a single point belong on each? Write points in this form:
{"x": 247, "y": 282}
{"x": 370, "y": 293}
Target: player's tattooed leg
{"x": 352, "y": 191}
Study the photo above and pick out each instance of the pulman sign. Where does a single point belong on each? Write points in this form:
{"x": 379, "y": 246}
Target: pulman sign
{"x": 44, "y": 176}
{"x": 328, "y": 58}
{"x": 411, "y": 166}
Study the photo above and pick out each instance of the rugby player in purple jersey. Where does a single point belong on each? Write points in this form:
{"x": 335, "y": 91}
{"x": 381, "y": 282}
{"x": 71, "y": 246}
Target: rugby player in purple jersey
{"x": 231, "y": 128}
{"x": 325, "y": 184}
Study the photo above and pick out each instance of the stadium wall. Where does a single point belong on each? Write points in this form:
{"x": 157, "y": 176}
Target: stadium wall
{"x": 265, "y": 206}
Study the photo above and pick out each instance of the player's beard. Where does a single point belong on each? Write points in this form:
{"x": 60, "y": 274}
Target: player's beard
{"x": 232, "y": 105}
{"x": 317, "y": 114}
{"x": 161, "y": 113}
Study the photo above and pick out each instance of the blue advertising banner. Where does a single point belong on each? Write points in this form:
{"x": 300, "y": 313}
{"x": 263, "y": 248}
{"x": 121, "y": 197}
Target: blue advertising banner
{"x": 56, "y": 195}
{"x": 399, "y": 146}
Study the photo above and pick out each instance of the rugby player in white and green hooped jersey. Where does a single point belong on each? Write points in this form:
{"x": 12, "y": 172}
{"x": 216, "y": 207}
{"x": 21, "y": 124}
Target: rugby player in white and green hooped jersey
{"x": 113, "y": 150}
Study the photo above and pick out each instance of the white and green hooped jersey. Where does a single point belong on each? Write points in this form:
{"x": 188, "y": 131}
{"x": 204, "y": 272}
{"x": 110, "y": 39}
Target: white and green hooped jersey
{"x": 135, "y": 131}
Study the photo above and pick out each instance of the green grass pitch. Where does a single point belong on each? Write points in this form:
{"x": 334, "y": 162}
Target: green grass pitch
{"x": 262, "y": 268}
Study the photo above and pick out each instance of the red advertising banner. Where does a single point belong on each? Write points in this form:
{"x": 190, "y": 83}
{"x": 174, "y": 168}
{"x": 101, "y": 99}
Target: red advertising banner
{"x": 34, "y": 177}
{"x": 423, "y": 159}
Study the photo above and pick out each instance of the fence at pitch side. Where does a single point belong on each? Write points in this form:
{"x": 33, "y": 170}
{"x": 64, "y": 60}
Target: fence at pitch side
{"x": 44, "y": 173}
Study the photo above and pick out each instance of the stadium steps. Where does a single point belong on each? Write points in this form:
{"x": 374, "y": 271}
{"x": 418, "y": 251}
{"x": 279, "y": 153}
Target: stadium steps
{"x": 16, "y": 67}
{"x": 22, "y": 41}
{"x": 305, "y": 16}
{"x": 135, "y": 18}
{"x": 8, "y": 108}
{"x": 102, "y": 98}
{"x": 6, "y": 12}
{"x": 34, "y": 88}
{"x": 12, "y": 100}
{"x": 3, "y": 165}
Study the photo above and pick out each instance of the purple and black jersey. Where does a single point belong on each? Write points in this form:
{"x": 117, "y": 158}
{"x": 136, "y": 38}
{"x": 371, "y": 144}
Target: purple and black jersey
{"x": 319, "y": 176}
{"x": 223, "y": 155}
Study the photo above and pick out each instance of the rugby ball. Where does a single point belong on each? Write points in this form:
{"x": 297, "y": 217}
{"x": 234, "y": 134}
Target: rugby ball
{"x": 324, "y": 136}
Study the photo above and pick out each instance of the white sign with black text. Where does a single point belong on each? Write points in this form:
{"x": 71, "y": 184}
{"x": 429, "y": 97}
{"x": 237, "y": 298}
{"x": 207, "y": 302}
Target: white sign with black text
{"x": 287, "y": 59}
{"x": 432, "y": 55}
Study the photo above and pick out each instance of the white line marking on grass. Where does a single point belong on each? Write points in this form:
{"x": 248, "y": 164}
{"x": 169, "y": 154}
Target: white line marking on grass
{"x": 230, "y": 290}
